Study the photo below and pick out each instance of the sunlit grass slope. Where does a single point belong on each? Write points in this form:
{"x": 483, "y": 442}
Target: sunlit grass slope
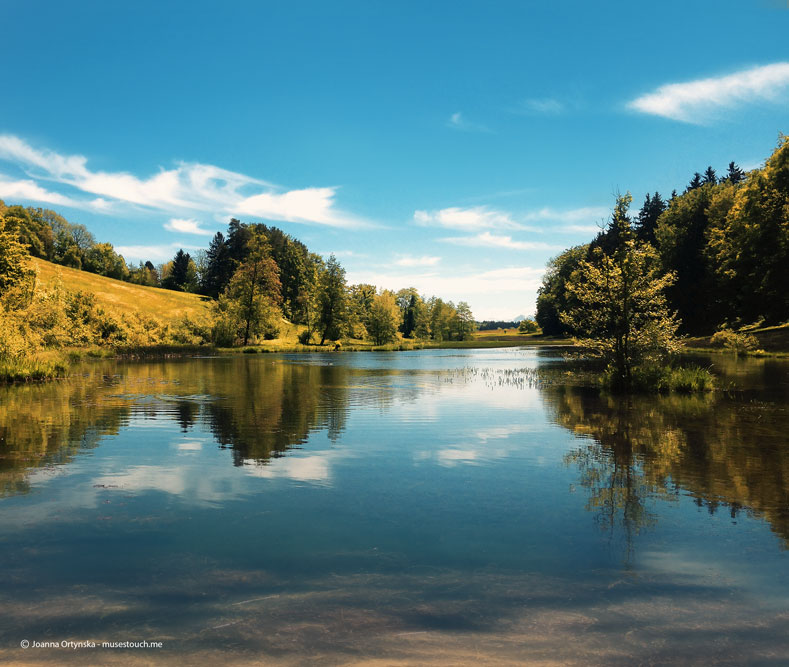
{"x": 124, "y": 297}
{"x": 773, "y": 339}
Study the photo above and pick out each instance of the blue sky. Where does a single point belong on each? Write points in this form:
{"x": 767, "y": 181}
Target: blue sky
{"x": 452, "y": 146}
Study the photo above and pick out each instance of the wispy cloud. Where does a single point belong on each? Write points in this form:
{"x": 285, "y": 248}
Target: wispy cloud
{"x": 343, "y": 253}
{"x": 186, "y": 227}
{"x": 156, "y": 253}
{"x": 570, "y": 215}
{"x": 699, "y": 101}
{"x": 481, "y": 217}
{"x": 408, "y": 260}
{"x": 30, "y": 190}
{"x": 488, "y": 240}
{"x": 189, "y": 187}
{"x": 467, "y": 219}
{"x": 542, "y": 106}
{"x": 457, "y": 121}
{"x": 581, "y": 229}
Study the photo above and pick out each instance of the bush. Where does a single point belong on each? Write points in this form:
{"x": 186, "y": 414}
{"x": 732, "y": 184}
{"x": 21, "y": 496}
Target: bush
{"x": 224, "y": 333}
{"x": 189, "y": 331}
{"x": 739, "y": 343}
{"x": 305, "y": 337}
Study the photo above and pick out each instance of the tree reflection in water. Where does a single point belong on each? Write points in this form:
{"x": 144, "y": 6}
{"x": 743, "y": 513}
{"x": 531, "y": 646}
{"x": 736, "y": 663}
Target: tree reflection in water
{"x": 720, "y": 449}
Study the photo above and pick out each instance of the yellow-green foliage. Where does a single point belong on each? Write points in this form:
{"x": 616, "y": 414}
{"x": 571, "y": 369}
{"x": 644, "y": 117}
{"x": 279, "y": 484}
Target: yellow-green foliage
{"x": 735, "y": 341}
{"x": 118, "y": 296}
{"x": 107, "y": 313}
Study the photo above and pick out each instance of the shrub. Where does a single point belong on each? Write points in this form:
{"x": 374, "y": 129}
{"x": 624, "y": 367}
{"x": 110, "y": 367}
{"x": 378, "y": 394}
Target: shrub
{"x": 305, "y": 337}
{"x": 739, "y": 343}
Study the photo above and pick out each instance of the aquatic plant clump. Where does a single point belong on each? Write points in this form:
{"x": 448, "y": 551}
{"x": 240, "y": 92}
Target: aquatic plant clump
{"x": 663, "y": 379}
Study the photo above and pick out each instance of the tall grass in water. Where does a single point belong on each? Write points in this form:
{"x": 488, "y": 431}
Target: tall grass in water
{"x": 30, "y": 370}
{"x": 667, "y": 379}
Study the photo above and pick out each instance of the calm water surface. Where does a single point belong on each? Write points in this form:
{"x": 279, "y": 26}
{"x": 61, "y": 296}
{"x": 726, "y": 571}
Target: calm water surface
{"x": 431, "y": 506}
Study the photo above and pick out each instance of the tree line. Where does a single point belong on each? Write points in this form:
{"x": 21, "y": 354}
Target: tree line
{"x": 718, "y": 254}
{"x": 255, "y": 274}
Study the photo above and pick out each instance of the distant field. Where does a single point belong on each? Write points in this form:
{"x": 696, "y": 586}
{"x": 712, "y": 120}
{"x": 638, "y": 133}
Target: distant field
{"x": 120, "y": 296}
{"x": 507, "y": 337}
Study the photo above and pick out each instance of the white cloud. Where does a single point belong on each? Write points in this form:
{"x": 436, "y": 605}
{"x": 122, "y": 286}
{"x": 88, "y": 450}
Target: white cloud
{"x": 189, "y": 187}
{"x": 488, "y": 240}
{"x": 467, "y": 219}
{"x": 313, "y": 468}
{"x": 309, "y": 205}
{"x": 450, "y": 457}
{"x": 457, "y": 286}
{"x": 408, "y": 260}
{"x": 458, "y": 122}
{"x": 568, "y": 215}
{"x": 186, "y": 227}
{"x": 696, "y": 101}
{"x": 343, "y": 253}
{"x": 29, "y": 191}
{"x": 154, "y": 253}
{"x": 481, "y": 217}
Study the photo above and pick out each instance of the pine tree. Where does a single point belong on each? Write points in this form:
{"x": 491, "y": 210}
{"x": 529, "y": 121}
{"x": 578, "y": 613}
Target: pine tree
{"x": 178, "y": 278}
{"x": 695, "y": 182}
{"x": 735, "y": 174}
{"x": 710, "y": 176}
{"x": 646, "y": 222}
{"x": 219, "y": 267}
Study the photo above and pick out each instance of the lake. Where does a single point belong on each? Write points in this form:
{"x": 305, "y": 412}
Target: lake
{"x": 446, "y": 506}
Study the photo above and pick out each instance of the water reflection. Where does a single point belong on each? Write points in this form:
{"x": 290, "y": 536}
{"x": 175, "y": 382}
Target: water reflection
{"x": 728, "y": 454}
{"x": 411, "y": 507}
{"x": 46, "y": 425}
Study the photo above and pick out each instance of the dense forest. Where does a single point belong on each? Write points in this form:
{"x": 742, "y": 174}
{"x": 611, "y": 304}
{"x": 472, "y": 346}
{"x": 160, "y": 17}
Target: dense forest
{"x": 721, "y": 249}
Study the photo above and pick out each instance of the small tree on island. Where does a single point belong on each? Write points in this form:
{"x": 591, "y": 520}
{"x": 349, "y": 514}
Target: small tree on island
{"x": 622, "y": 310}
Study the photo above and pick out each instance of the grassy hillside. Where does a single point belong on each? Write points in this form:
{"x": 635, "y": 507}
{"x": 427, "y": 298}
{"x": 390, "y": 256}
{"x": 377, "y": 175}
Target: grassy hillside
{"x": 771, "y": 339}
{"x": 120, "y": 296}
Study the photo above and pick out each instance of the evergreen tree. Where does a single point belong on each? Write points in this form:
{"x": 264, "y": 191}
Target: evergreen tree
{"x": 219, "y": 267}
{"x": 646, "y": 223}
{"x": 695, "y": 182}
{"x": 238, "y": 236}
{"x": 710, "y": 176}
{"x": 735, "y": 175}
{"x": 681, "y": 239}
{"x": 178, "y": 277}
